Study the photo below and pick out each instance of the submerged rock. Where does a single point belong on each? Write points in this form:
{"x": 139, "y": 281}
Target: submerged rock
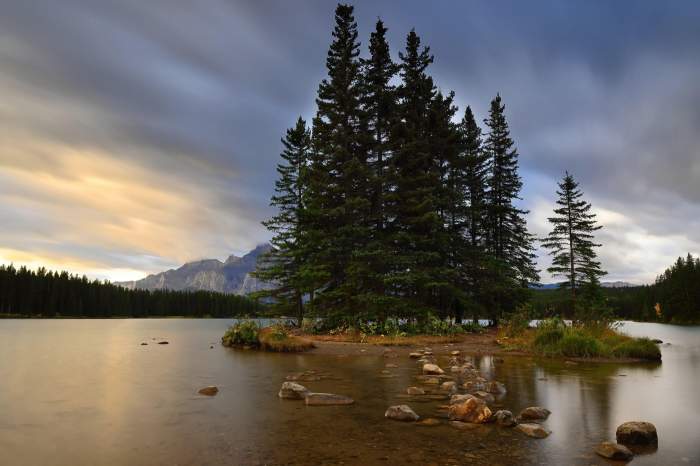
{"x": 497, "y": 388}
{"x": 534, "y": 413}
{"x": 432, "y": 369}
{"x": 614, "y": 451}
{"x": 637, "y": 433}
{"x": 504, "y": 418}
{"x": 208, "y": 391}
{"x": 401, "y": 413}
{"x": 463, "y": 425}
{"x": 429, "y": 422}
{"x": 415, "y": 391}
{"x": 293, "y": 391}
{"x": 470, "y": 410}
{"x": 533, "y": 430}
{"x": 415, "y": 355}
{"x": 327, "y": 399}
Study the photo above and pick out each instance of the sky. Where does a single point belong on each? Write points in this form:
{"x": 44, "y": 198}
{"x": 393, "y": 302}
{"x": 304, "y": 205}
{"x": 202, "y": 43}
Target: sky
{"x": 136, "y": 136}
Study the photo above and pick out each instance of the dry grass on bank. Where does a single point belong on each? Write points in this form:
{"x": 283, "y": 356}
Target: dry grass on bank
{"x": 277, "y": 340}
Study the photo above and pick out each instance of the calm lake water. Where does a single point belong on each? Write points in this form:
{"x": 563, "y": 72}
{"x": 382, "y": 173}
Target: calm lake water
{"x": 85, "y": 392}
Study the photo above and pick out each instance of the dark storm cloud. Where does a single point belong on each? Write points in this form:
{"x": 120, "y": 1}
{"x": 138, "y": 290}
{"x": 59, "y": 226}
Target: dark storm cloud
{"x": 186, "y": 102}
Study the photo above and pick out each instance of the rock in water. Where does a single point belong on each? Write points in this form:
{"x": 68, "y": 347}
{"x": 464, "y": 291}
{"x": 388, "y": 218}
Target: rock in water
{"x": 487, "y": 397}
{"x": 449, "y": 386}
{"x": 144, "y": 343}
{"x": 292, "y": 391}
{"x": 504, "y": 418}
{"x": 533, "y": 430}
{"x": 614, "y": 451}
{"x": 415, "y": 355}
{"x": 637, "y": 433}
{"x": 401, "y": 413}
{"x": 415, "y": 391}
{"x": 534, "y": 413}
{"x": 163, "y": 343}
{"x": 208, "y": 391}
{"x": 433, "y": 369}
{"x": 327, "y": 399}
{"x": 470, "y": 410}
{"x": 454, "y": 399}
{"x": 497, "y": 388}
{"x": 429, "y": 422}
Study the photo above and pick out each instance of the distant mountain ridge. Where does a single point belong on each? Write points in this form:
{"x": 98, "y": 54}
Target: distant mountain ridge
{"x": 232, "y": 276}
{"x": 617, "y": 284}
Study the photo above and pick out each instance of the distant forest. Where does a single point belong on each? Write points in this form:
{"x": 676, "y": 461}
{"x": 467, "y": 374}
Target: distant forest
{"x": 673, "y": 298}
{"x": 43, "y": 293}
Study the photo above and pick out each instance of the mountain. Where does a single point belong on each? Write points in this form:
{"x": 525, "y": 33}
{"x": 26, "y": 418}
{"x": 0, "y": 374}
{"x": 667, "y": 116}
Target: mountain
{"x": 232, "y": 276}
{"x": 618, "y": 284}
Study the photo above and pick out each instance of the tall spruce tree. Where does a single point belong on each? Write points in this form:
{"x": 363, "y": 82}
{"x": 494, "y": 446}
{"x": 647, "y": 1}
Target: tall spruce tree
{"x": 571, "y": 242}
{"x": 283, "y": 265}
{"x": 341, "y": 209}
{"x": 508, "y": 242}
{"x": 413, "y": 201}
{"x": 378, "y": 101}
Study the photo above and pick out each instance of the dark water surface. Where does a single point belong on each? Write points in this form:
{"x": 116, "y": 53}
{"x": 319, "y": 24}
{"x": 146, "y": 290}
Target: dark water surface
{"x": 85, "y": 392}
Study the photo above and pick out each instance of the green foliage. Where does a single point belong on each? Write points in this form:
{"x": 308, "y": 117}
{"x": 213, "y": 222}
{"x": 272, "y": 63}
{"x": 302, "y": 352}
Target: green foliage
{"x": 640, "y": 348}
{"x": 518, "y": 322}
{"x": 571, "y": 244}
{"x": 243, "y": 333}
{"x": 554, "y": 338}
{"x": 43, "y": 293}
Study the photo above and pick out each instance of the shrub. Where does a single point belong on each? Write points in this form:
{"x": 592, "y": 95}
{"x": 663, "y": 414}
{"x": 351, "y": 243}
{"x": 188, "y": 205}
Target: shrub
{"x": 519, "y": 322}
{"x": 549, "y": 332}
{"x": 641, "y": 348}
{"x": 243, "y": 332}
{"x": 580, "y": 345}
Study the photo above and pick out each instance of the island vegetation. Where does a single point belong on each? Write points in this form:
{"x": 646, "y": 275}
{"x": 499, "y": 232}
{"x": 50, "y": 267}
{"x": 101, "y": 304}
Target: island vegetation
{"x": 395, "y": 217}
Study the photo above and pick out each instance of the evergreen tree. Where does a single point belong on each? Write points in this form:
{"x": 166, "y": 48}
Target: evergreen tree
{"x": 413, "y": 202}
{"x": 341, "y": 191}
{"x": 283, "y": 265}
{"x": 508, "y": 242}
{"x": 378, "y": 106}
{"x": 571, "y": 240}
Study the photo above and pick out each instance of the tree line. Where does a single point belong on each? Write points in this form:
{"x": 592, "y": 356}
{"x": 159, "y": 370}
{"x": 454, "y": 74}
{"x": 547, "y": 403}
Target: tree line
{"x": 43, "y": 293}
{"x": 391, "y": 205}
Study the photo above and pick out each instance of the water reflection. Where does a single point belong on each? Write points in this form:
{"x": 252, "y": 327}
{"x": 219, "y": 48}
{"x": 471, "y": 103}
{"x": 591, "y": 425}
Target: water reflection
{"x": 85, "y": 392}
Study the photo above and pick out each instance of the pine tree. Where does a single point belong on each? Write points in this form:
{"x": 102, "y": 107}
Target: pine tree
{"x": 341, "y": 213}
{"x": 571, "y": 240}
{"x": 508, "y": 242}
{"x": 413, "y": 202}
{"x": 283, "y": 265}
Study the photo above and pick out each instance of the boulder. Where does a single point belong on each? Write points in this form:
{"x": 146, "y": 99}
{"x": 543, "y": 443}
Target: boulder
{"x": 327, "y": 399}
{"x": 415, "y": 355}
{"x": 293, "y": 391}
{"x": 454, "y": 399}
{"x": 472, "y": 410}
{"x": 533, "y": 430}
{"x": 415, "y": 391}
{"x": 401, "y": 413}
{"x": 504, "y": 418}
{"x": 637, "y": 433}
{"x": 487, "y": 397}
{"x": 497, "y": 388}
{"x": 449, "y": 386}
{"x": 208, "y": 391}
{"x": 454, "y": 353}
{"x": 614, "y": 451}
{"x": 534, "y": 413}
{"x": 432, "y": 369}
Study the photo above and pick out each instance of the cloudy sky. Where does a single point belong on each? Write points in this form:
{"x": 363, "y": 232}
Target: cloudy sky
{"x": 137, "y": 135}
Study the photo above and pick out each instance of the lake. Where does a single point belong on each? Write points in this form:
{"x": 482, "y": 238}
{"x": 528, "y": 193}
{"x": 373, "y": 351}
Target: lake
{"x": 86, "y": 392}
